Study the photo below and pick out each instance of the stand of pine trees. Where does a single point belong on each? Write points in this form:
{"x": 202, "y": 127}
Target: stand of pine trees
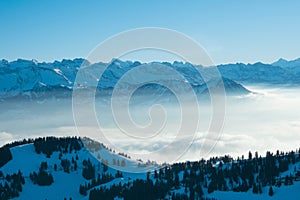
{"x": 215, "y": 174}
{"x": 104, "y": 178}
{"x": 5, "y": 156}
{"x": 42, "y": 178}
{"x": 88, "y": 171}
{"x": 48, "y": 145}
{"x": 11, "y": 185}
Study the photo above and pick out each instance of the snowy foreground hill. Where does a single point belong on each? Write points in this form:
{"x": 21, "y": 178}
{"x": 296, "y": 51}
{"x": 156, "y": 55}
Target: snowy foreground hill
{"x": 73, "y": 168}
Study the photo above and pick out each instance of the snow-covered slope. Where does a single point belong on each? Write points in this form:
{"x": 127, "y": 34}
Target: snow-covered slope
{"x": 220, "y": 178}
{"x": 217, "y": 84}
{"x": 66, "y": 184}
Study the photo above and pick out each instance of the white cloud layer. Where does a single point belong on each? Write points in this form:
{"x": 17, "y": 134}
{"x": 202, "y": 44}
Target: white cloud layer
{"x": 268, "y": 120}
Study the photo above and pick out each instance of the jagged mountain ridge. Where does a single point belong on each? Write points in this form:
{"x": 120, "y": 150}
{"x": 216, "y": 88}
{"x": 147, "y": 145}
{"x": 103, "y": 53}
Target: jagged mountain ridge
{"x": 280, "y": 72}
{"x": 31, "y": 78}
{"x": 293, "y": 65}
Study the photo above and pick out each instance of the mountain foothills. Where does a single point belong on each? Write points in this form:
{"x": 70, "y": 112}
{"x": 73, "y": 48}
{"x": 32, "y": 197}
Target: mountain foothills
{"x": 33, "y": 79}
{"x": 80, "y": 168}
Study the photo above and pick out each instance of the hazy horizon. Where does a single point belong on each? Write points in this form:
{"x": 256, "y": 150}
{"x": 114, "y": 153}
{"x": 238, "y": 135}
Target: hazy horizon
{"x": 147, "y": 60}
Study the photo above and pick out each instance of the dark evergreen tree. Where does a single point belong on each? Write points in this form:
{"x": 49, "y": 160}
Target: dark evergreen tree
{"x": 271, "y": 192}
{"x": 88, "y": 171}
{"x": 5, "y": 156}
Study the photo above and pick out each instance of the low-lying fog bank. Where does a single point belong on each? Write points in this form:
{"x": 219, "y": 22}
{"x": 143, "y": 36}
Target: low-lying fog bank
{"x": 269, "y": 119}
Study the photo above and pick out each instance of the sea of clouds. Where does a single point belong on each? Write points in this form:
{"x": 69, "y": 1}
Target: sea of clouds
{"x": 267, "y": 120}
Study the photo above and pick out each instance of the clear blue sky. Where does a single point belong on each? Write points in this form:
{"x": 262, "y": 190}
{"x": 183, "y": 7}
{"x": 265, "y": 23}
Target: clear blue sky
{"x": 231, "y": 31}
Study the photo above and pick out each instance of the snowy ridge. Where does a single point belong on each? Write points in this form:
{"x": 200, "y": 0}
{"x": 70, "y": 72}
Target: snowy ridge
{"x": 261, "y": 73}
{"x": 293, "y": 65}
{"x": 276, "y": 176}
{"x": 66, "y": 184}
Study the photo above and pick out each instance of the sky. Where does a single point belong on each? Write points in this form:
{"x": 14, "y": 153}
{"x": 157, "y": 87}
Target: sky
{"x": 230, "y": 31}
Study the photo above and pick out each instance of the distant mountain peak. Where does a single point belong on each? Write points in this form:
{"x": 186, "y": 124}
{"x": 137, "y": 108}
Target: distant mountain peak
{"x": 292, "y": 64}
{"x": 280, "y": 62}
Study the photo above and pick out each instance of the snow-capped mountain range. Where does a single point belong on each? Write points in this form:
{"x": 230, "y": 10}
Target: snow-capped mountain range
{"x": 32, "y": 78}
